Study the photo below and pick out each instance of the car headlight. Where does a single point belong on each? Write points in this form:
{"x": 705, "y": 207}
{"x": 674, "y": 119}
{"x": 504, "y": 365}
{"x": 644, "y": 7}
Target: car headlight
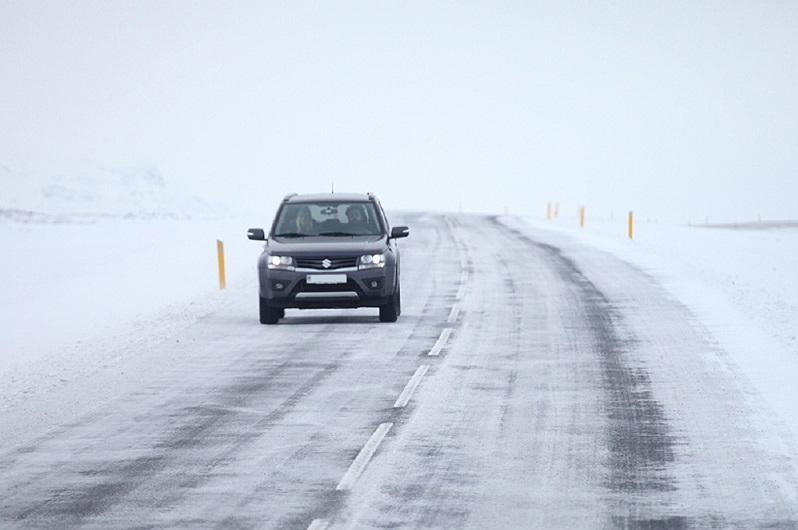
{"x": 371, "y": 261}
{"x": 281, "y": 262}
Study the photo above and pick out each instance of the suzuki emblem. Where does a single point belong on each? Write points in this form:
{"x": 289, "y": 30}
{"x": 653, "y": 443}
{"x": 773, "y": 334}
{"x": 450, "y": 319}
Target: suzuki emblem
{"x": 326, "y": 263}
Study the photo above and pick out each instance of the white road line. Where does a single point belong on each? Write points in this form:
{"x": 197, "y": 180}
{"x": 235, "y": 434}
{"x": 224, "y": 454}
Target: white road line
{"x": 411, "y": 386}
{"x": 319, "y": 524}
{"x": 363, "y": 457}
{"x": 440, "y": 343}
{"x": 463, "y": 282}
{"x": 460, "y": 292}
{"x": 453, "y": 314}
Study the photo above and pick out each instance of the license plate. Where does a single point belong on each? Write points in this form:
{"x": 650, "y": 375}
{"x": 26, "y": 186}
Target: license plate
{"x": 326, "y": 279}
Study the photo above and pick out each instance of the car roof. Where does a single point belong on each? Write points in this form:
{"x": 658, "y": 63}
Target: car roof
{"x": 326, "y": 197}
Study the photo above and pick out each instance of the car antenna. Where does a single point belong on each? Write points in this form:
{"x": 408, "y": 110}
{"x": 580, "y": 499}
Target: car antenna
{"x": 332, "y": 187}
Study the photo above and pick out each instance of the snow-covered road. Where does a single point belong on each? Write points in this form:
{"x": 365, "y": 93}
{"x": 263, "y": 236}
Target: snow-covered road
{"x": 531, "y": 382}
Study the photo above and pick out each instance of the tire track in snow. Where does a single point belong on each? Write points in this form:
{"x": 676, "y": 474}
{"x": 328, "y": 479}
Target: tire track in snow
{"x": 640, "y": 441}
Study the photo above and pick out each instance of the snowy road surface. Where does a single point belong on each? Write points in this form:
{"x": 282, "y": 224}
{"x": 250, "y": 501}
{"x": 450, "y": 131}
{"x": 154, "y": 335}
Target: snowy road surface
{"x": 528, "y": 384}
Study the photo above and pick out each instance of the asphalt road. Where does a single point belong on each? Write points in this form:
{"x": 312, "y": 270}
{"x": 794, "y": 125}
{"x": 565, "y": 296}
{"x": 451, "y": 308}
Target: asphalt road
{"x": 529, "y": 383}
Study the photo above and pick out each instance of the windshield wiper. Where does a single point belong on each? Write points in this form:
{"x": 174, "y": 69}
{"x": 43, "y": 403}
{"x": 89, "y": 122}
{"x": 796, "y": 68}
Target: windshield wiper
{"x": 336, "y": 234}
{"x": 292, "y": 234}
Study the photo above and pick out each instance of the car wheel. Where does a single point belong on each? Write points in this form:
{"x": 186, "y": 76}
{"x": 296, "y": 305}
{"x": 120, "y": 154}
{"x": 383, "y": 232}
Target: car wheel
{"x": 268, "y": 314}
{"x": 390, "y": 311}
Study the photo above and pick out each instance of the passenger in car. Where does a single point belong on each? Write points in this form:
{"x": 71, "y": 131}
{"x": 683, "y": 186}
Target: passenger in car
{"x": 304, "y": 221}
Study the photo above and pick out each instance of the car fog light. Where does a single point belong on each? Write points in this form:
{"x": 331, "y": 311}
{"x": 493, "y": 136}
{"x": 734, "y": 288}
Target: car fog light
{"x": 373, "y": 283}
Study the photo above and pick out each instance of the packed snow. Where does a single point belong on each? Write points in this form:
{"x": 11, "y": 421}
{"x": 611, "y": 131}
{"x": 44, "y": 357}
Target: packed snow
{"x": 738, "y": 279}
{"x": 110, "y": 260}
{"x": 107, "y": 310}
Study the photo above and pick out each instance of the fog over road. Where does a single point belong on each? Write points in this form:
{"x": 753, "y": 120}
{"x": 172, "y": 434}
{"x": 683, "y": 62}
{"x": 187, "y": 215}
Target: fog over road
{"x": 529, "y": 383}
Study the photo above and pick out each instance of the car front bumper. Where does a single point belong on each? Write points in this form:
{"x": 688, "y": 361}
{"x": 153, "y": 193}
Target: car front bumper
{"x": 363, "y": 288}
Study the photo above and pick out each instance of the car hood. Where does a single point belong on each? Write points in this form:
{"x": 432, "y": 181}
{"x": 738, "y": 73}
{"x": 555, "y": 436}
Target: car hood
{"x": 327, "y": 246}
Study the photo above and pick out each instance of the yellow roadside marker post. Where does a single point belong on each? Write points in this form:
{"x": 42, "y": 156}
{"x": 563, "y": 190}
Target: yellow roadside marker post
{"x": 220, "y": 258}
{"x": 630, "y": 228}
{"x": 581, "y": 216}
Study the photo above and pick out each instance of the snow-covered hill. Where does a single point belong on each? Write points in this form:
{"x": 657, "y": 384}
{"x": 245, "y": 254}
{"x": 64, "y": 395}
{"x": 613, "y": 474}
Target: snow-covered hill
{"x": 41, "y": 192}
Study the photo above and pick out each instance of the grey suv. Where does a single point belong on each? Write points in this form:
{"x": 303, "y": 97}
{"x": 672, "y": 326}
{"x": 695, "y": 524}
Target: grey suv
{"x": 329, "y": 251}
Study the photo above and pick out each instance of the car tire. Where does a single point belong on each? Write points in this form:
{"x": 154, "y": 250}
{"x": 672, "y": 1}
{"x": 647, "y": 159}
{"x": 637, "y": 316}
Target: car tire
{"x": 390, "y": 311}
{"x": 398, "y": 302}
{"x": 269, "y": 314}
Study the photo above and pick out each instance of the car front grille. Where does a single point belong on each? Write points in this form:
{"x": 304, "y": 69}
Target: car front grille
{"x": 318, "y": 263}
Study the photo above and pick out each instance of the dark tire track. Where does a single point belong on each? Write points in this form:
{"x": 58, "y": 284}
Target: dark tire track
{"x": 641, "y": 443}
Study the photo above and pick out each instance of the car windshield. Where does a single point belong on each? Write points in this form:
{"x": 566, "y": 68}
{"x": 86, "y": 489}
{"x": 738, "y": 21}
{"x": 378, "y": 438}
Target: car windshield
{"x": 327, "y": 219}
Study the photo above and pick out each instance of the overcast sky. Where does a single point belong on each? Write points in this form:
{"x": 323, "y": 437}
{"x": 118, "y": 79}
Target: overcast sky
{"x": 675, "y": 109}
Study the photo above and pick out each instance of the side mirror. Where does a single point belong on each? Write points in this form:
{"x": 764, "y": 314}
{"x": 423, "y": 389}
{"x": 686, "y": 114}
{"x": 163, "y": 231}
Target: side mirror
{"x": 256, "y": 234}
{"x": 399, "y": 231}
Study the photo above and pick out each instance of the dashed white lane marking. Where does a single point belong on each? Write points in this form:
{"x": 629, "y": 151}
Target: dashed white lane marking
{"x": 463, "y": 282}
{"x": 319, "y": 524}
{"x": 453, "y": 314}
{"x": 411, "y": 386}
{"x": 363, "y": 457}
{"x": 440, "y": 343}
{"x": 460, "y": 292}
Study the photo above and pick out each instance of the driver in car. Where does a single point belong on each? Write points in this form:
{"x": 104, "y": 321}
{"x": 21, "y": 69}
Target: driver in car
{"x": 356, "y": 216}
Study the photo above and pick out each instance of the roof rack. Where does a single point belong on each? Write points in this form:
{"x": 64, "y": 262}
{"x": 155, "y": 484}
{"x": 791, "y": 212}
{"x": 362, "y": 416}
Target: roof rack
{"x": 288, "y": 196}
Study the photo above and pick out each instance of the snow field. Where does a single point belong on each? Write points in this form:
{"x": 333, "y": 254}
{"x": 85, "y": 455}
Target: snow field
{"x": 75, "y": 292}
